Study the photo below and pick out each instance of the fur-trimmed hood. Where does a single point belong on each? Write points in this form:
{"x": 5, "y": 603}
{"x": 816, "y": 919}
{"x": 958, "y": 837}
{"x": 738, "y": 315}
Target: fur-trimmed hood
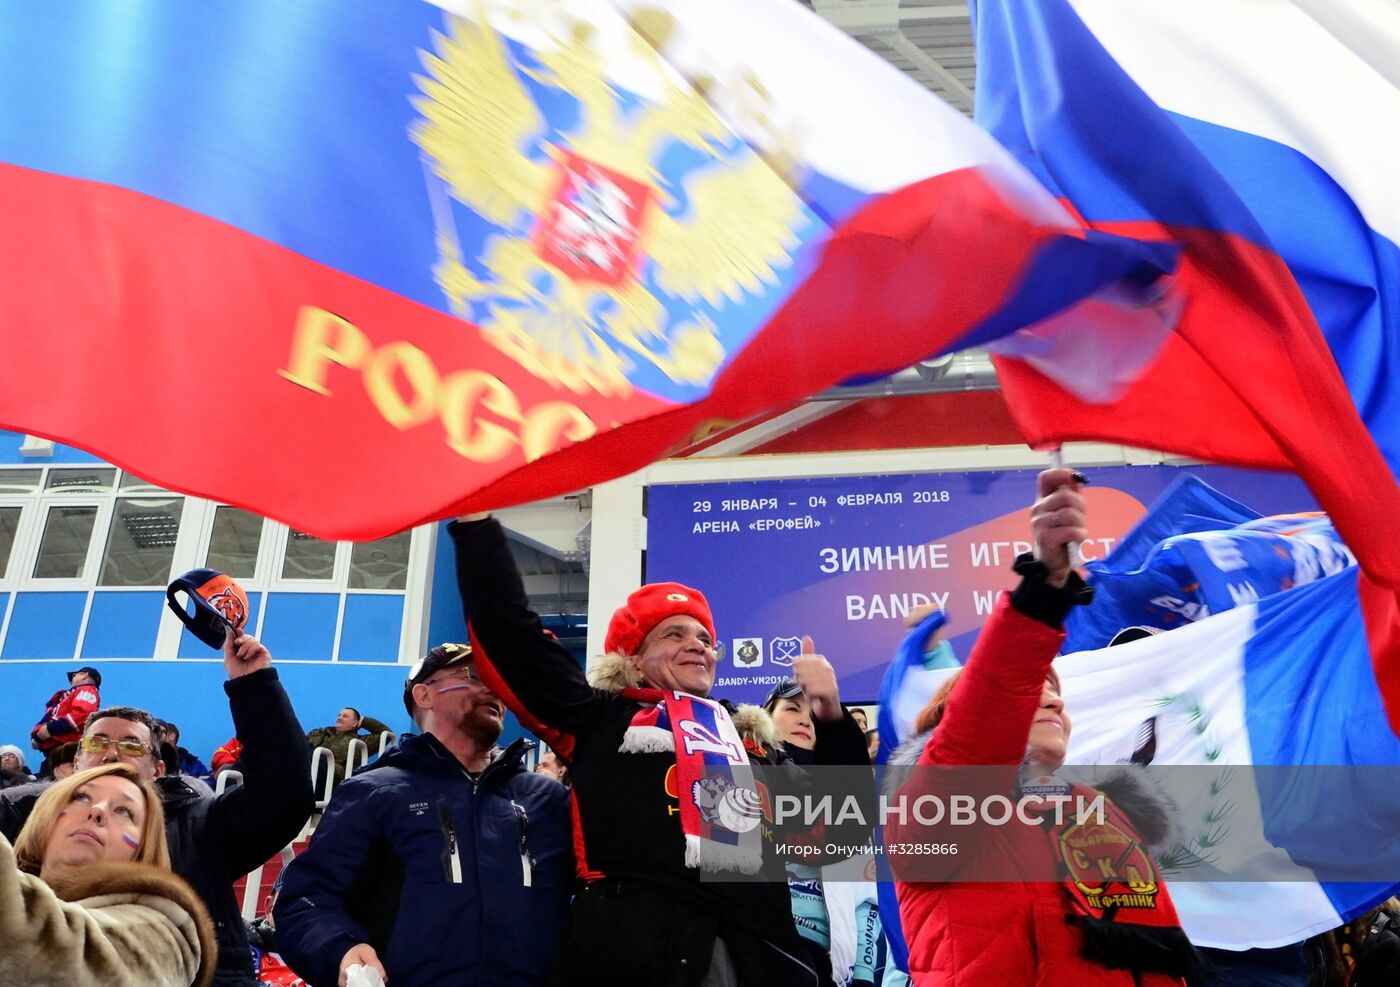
{"x": 756, "y": 725}
{"x": 1131, "y": 787}
{"x": 117, "y": 925}
{"x": 613, "y": 673}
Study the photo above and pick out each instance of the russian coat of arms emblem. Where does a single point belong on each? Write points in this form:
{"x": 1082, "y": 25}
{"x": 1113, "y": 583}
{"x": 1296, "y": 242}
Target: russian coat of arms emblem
{"x": 613, "y": 226}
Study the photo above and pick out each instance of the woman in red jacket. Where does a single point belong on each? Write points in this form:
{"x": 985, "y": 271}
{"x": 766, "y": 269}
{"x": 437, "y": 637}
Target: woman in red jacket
{"x": 1025, "y": 902}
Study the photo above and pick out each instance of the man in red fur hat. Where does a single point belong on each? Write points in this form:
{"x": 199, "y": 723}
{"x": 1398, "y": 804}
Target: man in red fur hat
{"x": 673, "y": 790}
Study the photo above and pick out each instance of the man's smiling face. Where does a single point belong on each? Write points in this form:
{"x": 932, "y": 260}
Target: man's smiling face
{"x": 678, "y": 655}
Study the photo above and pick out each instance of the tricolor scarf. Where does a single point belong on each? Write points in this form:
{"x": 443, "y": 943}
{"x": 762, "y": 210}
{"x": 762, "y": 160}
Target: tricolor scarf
{"x": 720, "y": 810}
{"x": 1116, "y": 895}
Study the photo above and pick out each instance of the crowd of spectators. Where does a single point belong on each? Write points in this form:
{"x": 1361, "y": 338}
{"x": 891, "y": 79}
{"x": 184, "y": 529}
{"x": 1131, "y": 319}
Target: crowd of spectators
{"x": 210, "y": 841}
{"x": 628, "y": 854}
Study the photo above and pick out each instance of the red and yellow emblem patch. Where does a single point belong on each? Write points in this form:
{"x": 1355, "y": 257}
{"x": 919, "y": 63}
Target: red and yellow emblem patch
{"x": 1108, "y": 866}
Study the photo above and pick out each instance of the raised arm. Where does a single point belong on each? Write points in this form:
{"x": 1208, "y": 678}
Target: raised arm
{"x": 252, "y": 821}
{"x": 986, "y": 720}
{"x": 992, "y": 704}
{"x": 991, "y": 707}
{"x": 533, "y": 674}
{"x": 374, "y": 727}
{"x": 840, "y": 769}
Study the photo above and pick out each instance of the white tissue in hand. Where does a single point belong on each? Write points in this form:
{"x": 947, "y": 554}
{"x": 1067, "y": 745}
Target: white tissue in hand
{"x": 358, "y": 975}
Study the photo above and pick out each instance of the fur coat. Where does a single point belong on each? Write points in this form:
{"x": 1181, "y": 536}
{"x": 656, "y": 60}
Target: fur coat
{"x": 106, "y": 925}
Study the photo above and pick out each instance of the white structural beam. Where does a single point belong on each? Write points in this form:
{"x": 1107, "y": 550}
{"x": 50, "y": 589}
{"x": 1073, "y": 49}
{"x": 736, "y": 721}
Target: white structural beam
{"x": 884, "y": 20}
{"x": 857, "y": 17}
{"x": 953, "y": 459}
{"x": 933, "y": 70}
{"x": 615, "y": 567}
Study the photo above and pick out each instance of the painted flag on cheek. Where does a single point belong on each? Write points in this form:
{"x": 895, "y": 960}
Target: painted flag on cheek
{"x": 361, "y": 267}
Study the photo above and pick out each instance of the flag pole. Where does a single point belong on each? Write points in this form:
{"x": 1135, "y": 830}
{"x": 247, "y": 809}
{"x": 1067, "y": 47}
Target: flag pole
{"x": 1057, "y": 461}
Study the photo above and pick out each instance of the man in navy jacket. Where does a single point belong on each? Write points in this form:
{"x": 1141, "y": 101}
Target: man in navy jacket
{"x": 444, "y": 862}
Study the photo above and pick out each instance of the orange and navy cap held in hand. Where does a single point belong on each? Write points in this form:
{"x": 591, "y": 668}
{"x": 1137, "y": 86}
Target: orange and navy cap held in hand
{"x": 213, "y": 602}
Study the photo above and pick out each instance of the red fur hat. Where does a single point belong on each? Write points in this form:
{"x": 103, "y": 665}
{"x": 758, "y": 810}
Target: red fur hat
{"x": 649, "y": 606}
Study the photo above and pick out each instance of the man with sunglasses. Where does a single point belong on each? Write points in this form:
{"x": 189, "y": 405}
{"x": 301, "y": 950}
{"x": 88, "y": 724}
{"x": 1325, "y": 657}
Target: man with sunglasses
{"x": 214, "y": 840}
{"x": 444, "y": 862}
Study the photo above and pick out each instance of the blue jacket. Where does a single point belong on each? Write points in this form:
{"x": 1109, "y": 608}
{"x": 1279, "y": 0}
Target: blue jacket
{"x": 451, "y": 882}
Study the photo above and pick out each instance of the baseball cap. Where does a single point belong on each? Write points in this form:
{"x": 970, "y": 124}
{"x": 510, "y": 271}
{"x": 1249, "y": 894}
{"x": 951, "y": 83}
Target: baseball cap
{"x": 430, "y": 664}
{"x": 785, "y": 689}
{"x": 96, "y": 675}
{"x": 213, "y": 602}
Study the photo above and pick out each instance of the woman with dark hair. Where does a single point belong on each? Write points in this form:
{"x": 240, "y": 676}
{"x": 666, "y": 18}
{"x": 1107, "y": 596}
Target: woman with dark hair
{"x": 86, "y": 893}
{"x": 58, "y": 763}
{"x": 1072, "y": 903}
{"x": 838, "y": 921}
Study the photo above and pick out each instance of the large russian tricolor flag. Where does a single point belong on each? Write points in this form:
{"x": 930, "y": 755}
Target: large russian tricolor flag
{"x": 358, "y": 266}
{"x": 1247, "y": 133}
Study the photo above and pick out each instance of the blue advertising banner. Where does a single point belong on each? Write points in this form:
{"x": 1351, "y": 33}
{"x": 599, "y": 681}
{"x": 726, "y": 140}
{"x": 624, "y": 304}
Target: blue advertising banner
{"x": 846, "y": 559}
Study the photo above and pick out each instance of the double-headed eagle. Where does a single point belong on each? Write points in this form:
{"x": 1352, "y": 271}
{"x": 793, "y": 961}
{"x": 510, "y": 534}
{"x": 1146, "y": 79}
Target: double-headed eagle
{"x": 595, "y": 248}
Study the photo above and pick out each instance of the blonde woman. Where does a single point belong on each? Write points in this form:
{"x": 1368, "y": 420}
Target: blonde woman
{"x": 87, "y": 896}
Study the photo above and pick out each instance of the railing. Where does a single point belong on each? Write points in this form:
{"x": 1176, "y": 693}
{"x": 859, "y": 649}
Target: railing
{"x": 357, "y": 756}
{"x": 323, "y": 755}
{"x": 253, "y": 889}
{"x": 226, "y": 778}
{"x": 321, "y": 759}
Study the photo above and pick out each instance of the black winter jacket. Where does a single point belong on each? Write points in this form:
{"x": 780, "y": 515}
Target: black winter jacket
{"x": 451, "y": 881}
{"x": 214, "y": 840}
{"x": 644, "y": 915}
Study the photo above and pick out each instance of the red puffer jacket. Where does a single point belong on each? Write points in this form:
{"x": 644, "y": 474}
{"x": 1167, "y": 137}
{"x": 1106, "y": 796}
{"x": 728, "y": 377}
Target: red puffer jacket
{"x": 966, "y": 933}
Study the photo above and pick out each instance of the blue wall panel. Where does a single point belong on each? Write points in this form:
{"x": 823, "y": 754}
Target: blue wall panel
{"x": 371, "y": 629}
{"x": 62, "y": 455}
{"x": 445, "y": 621}
{"x": 193, "y": 647}
{"x": 45, "y": 625}
{"x": 301, "y": 626}
{"x": 123, "y": 625}
{"x": 191, "y": 693}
